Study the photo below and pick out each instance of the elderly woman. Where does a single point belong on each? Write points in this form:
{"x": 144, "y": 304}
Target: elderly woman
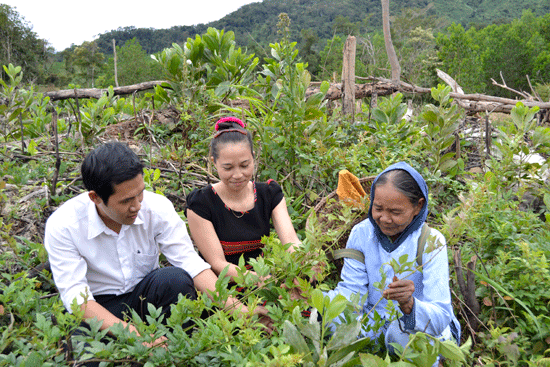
{"x": 397, "y": 213}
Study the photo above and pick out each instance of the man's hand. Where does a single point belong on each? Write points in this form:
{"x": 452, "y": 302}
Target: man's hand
{"x": 401, "y": 291}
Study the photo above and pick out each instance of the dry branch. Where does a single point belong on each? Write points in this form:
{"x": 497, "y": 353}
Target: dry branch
{"x": 97, "y": 93}
{"x": 472, "y": 102}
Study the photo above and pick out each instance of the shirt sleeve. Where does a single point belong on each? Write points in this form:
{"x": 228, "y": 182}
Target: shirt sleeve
{"x": 174, "y": 241}
{"x": 68, "y": 266}
{"x": 434, "y": 312}
{"x": 274, "y": 193}
{"x": 199, "y": 203}
{"x": 354, "y": 273}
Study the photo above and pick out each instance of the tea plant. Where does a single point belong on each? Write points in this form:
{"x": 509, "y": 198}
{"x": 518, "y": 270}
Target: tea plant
{"x": 440, "y": 124}
{"x": 517, "y": 142}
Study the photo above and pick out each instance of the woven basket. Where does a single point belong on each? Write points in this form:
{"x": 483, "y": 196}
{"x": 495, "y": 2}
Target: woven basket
{"x": 330, "y": 205}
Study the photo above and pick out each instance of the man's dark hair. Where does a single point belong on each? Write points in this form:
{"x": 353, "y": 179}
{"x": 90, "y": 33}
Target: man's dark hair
{"x": 109, "y": 165}
{"x": 403, "y": 182}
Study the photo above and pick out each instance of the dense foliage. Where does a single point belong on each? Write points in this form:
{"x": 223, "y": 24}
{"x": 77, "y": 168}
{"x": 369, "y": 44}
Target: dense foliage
{"x": 19, "y": 45}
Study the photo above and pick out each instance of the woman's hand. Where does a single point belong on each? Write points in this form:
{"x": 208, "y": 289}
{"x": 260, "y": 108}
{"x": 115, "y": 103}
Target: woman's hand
{"x": 401, "y": 291}
{"x": 262, "y": 280}
{"x": 264, "y": 318}
{"x": 157, "y": 342}
{"x": 237, "y": 306}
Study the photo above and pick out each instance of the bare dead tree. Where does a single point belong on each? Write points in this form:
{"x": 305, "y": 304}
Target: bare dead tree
{"x": 390, "y": 50}
{"x": 114, "y": 55}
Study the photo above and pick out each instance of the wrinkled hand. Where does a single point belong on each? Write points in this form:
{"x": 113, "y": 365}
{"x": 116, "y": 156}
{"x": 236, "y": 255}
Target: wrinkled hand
{"x": 401, "y": 291}
{"x": 262, "y": 281}
{"x": 264, "y": 318}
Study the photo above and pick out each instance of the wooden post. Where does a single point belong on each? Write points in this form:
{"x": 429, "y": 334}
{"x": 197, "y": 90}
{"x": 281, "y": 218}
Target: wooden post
{"x": 348, "y": 78}
{"x": 23, "y": 145}
{"x": 488, "y": 137}
{"x": 114, "y": 54}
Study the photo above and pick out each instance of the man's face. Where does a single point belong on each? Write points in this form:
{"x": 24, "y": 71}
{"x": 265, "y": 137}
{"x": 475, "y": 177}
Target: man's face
{"x": 123, "y": 205}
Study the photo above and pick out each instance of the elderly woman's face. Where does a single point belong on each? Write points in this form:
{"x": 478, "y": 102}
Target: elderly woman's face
{"x": 392, "y": 210}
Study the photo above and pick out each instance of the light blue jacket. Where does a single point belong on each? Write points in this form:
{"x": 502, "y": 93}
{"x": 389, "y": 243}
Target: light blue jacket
{"x": 432, "y": 311}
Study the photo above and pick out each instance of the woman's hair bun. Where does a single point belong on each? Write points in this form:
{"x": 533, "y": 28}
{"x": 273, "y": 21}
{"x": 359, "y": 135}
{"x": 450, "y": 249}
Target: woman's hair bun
{"x": 228, "y": 123}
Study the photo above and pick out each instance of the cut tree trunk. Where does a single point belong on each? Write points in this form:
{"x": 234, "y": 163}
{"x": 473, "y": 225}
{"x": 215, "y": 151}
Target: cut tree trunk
{"x": 348, "y": 78}
{"x": 390, "y": 50}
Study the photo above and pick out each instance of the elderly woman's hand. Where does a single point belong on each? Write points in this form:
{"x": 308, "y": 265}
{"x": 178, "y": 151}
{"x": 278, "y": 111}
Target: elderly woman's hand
{"x": 401, "y": 291}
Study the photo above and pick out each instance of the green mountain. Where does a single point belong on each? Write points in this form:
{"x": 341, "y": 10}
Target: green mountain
{"x": 255, "y": 24}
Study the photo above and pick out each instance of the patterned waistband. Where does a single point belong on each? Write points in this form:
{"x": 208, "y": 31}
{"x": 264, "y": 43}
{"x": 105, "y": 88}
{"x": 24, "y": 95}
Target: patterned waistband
{"x": 232, "y": 248}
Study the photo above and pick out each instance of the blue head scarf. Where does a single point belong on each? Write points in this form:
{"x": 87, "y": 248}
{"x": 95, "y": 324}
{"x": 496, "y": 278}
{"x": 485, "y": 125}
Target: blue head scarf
{"x": 417, "y": 221}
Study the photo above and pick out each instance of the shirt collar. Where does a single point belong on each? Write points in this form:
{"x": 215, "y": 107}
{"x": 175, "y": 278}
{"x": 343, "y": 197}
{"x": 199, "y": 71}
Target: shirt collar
{"x": 96, "y": 226}
{"x": 95, "y": 223}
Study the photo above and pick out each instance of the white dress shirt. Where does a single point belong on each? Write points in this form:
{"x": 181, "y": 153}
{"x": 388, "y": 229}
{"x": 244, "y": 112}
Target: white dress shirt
{"x": 87, "y": 258}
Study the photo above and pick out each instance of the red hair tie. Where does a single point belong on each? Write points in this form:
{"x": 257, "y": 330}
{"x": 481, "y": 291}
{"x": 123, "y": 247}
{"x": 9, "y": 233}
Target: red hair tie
{"x": 229, "y": 119}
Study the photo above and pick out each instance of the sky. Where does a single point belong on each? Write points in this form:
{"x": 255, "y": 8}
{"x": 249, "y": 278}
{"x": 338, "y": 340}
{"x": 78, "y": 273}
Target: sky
{"x": 64, "y": 22}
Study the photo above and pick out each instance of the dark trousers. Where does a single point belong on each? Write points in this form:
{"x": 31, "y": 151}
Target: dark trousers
{"x": 161, "y": 287}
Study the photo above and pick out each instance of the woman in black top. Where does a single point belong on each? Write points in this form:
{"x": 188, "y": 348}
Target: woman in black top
{"x": 228, "y": 219}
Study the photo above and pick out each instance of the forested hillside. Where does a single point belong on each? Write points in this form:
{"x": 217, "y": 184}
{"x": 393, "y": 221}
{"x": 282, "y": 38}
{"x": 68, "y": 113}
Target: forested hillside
{"x": 473, "y": 41}
{"x": 255, "y": 23}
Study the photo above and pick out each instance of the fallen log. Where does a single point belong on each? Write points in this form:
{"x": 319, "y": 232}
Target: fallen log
{"x": 472, "y": 102}
{"x": 97, "y": 93}
{"x": 375, "y": 86}
{"x": 380, "y": 88}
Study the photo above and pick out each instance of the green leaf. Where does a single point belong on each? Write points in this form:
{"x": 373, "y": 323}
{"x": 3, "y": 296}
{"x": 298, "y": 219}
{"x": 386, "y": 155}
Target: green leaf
{"x": 345, "y": 334}
{"x": 403, "y": 364}
{"x": 317, "y": 300}
{"x": 293, "y": 338}
{"x": 311, "y": 330}
{"x": 156, "y": 175}
{"x": 547, "y": 201}
{"x": 336, "y": 307}
{"x": 447, "y": 164}
{"x": 380, "y": 116}
{"x": 369, "y": 360}
{"x": 325, "y": 85}
{"x": 354, "y": 347}
{"x": 451, "y": 351}
{"x": 31, "y": 149}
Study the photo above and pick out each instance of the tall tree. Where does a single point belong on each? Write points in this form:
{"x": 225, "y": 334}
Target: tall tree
{"x": 134, "y": 66}
{"x": 20, "y": 46}
{"x": 89, "y": 61}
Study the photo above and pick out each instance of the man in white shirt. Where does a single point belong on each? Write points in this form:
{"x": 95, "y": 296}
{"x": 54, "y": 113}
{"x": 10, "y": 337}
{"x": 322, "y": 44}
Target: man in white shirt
{"x": 104, "y": 245}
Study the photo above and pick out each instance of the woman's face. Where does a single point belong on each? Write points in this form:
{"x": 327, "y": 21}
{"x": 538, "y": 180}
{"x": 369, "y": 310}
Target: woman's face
{"x": 392, "y": 210}
{"x": 235, "y": 165}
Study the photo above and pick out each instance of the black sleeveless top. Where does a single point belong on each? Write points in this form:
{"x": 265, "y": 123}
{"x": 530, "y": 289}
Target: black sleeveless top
{"x": 239, "y": 235}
